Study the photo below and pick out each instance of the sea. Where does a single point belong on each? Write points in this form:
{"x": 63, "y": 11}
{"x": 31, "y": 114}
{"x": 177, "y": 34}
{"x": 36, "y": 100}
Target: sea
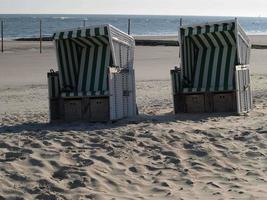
{"x": 28, "y": 26}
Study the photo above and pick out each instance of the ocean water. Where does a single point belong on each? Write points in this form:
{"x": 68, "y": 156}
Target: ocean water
{"x": 17, "y": 26}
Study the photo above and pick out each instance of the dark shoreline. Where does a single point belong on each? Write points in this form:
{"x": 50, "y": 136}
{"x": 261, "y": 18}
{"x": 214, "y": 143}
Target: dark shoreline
{"x": 139, "y": 42}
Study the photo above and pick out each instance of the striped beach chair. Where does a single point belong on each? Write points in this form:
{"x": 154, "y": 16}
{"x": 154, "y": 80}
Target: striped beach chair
{"x": 95, "y": 72}
{"x": 209, "y": 79}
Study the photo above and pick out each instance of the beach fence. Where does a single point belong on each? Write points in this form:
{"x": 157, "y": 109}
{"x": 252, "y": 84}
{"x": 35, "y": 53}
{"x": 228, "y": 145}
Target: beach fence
{"x": 40, "y": 38}
{"x": 2, "y": 36}
{"x": 214, "y": 69}
{"x": 95, "y": 78}
{"x": 41, "y": 33}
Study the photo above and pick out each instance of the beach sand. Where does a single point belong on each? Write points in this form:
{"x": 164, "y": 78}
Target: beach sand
{"x": 156, "y": 155}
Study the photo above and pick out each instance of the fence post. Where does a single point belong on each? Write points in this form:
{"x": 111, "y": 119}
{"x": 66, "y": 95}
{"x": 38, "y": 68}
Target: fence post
{"x": 40, "y": 36}
{"x": 179, "y": 43}
{"x": 2, "y": 36}
{"x": 129, "y": 26}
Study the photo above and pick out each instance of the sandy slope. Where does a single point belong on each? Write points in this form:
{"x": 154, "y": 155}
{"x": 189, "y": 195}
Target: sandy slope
{"x": 154, "y": 156}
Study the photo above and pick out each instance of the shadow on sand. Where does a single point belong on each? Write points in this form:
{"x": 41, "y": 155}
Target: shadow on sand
{"x": 83, "y": 126}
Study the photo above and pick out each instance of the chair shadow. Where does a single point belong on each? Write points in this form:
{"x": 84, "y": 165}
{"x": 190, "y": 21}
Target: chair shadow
{"x": 83, "y": 126}
{"x": 182, "y": 117}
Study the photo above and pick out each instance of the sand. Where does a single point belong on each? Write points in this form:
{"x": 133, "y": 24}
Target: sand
{"x": 156, "y": 155}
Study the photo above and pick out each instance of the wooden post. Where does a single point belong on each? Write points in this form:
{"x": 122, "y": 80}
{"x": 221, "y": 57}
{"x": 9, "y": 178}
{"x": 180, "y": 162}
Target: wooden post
{"x": 2, "y": 36}
{"x": 40, "y": 36}
{"x": 84, "y": 23}
{"x": 129, "y": 26}
{"x": 179, "y": 41}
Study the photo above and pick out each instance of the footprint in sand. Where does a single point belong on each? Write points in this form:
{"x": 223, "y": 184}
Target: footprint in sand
{"x": 112, "y": 184}
{"x": 12, "y": 156}
{"x": 254, "y": 154}
{"x": 46, "y": 196}
{"x": 48, "y": 154}
{"x": 49, "y": 186}
{"x": 240, "y": 138}
{"x": 14, "y": 152}
{"x": 35, "y": 162}
{"x": 189, "y": 182}
{"x": 94, "y": 197}
{"x": 4, "y": 145}
{"x": 213, "y": 184}
{"x": 156, "y": 157}
{"x": 35, "y": 145}
{"x": 67, "y": 144}
{"x": 97, "y": 146}
{"x": 101, "y": 159}
{"x": 195, "y": 149}
{"x": 164, "y": 184}
{"x": 94, "y": 182}
{"x": 47, "y": 143}
{"x": 169, "y": 153}
{"x": 84, "y": 162}
{"x": 151, "y": 168}
{"x": 20, "y": 154}
{"x": 18, "y": 177}
{"x": 148, "y": 135}
{"x": 65, "y": 172}
{"x": 76, "y": 184}
{"x": 61, "y": 173}
{"x": 172, "y": 160}
{"x": 54, "y": 163}
{"x": 198, "y": 166}
{"x": 133, "y": 169}
{"x": 128, "y": 138}
{"x": 160, "y": 190}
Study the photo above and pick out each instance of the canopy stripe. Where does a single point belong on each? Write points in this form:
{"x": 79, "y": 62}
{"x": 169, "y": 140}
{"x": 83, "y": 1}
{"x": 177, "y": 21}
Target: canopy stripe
{"x": 82, "y": 32}
{"x": 209, "y": 54}
{"x": 84, "y": 55}
{"x": 90, "y": 74}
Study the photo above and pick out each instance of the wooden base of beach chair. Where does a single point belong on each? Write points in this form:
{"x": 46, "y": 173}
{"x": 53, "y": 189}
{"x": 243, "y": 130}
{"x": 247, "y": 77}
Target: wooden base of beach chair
{"x": 55, "y": 109}
{"x": 205, "y": 102}
{"x": 87, "y": 109}
{"x": 224, "y": 102}
{"x": 99, "y": 108}
{"x": 195, "y": 103}
{"x": 72, "y": 109}
{"x": 179, "y": 103}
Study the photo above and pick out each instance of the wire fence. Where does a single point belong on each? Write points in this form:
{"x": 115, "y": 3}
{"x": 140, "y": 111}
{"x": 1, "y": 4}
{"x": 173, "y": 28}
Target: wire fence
{"x": 40, "y": 39}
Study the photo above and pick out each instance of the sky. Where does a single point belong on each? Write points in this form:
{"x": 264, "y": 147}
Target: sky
{"x": 254, "y": 8}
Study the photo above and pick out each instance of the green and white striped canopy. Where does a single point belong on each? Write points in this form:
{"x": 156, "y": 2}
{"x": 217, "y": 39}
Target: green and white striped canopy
{"x": 82, "y": 32}
{"x": 84, "y": 55}
{"x": 83, "y": 64}
{"x": 83, "y": 59}
{"x": 209, "y": 54}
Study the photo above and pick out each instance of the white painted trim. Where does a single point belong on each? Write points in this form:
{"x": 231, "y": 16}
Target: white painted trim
{"x": 237, "y": 42}
{"x": 122, "y": 42}
{"x": 112, "y": 46}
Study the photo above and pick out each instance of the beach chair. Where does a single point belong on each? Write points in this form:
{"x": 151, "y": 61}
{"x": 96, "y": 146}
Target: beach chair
{"x": 213, "y": 75}
{"x": 95, "y": 78}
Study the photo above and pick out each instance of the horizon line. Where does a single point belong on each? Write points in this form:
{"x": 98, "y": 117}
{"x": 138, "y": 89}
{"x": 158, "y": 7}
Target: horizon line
{"x": 133, "y": 15}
